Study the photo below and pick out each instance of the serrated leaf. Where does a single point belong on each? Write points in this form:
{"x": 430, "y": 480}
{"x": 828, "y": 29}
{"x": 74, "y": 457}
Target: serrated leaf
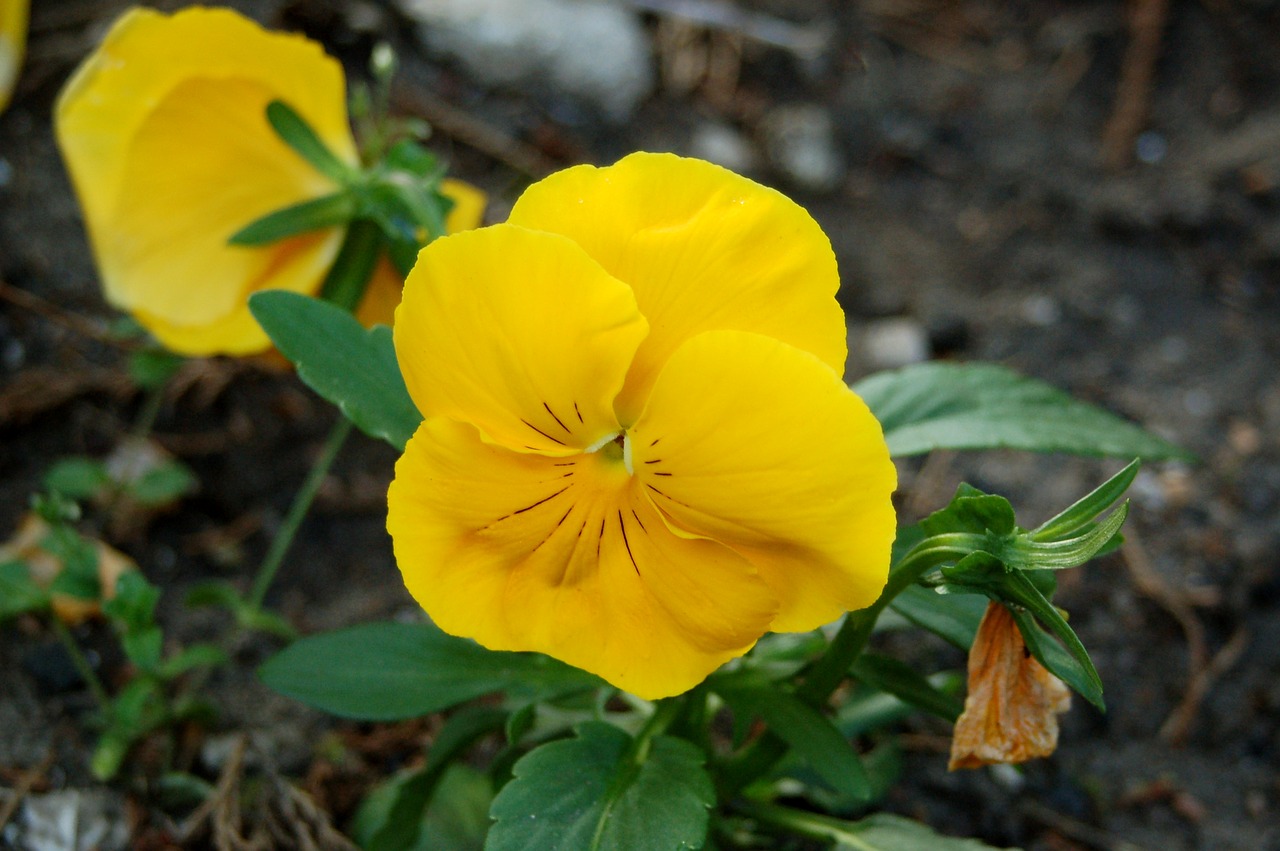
{"x": 907, "y": 684}
{"x": 971, "y": 510}
{"x": 807, "y": 731}
{"x": 389, "y": 671}
{"x": 77, "y": 477}
{"x": 295, "y": 132}
{"x": 328, "y": 211}
{"x": 353, "y": 367}
{"x": 590, "y": 793}
{"x": 886, "y": 832}
{"x": 983, "y": 406}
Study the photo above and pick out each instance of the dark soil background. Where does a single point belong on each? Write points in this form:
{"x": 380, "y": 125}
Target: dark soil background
{"x": 1000, "y": 183}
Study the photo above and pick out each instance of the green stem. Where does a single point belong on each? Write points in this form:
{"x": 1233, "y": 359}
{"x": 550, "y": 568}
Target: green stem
{"x": 353, "y": 267}
{"x": 664, "y": 712}
{"x": 297, "y": 511}
{"x": 825, "y": 674}
{"x": 81, "y": 664}
{"x": 149, "y": 412}
{"x": 808, "y": 825}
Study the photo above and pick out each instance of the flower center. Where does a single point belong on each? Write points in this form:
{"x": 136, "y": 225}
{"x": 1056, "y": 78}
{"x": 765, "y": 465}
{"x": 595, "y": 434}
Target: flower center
{"x": 615, "y": 448}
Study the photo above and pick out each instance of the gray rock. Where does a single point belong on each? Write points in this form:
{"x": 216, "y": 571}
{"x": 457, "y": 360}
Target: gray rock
{"x": 74, "y": 820}
{"x": 800, "y": 141}
{"x": 723, "y": 145}
{"x": 595, "y": 52}
{"x": 891, "y": 343}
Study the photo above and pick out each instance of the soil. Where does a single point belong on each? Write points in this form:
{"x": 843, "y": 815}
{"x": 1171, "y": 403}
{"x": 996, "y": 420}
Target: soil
{"x": 1007, "y": 190}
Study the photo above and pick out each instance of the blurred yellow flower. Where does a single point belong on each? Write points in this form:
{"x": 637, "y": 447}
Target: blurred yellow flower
{"x": 13, "y": 44}
{"x": 638, "y": 454}
{"x": 164, "y": 132}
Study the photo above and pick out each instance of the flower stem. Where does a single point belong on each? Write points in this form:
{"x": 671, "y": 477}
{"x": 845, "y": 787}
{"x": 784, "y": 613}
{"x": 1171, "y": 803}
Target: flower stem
{"x": 808, "y": 825}
{"x": 353, "y": 267}
{"x": 829, "y": 670}
{"x": 81, "y": 664}
{"x": 297, "y": 511}
{"x": 149, "y": 412}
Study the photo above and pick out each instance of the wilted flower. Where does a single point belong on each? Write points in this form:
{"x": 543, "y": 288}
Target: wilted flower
{"x": 13, "y": 44}
{"x": 1011, "y": 712}
{"x": 638, "y": 454}
{"x": 165, "y": 135}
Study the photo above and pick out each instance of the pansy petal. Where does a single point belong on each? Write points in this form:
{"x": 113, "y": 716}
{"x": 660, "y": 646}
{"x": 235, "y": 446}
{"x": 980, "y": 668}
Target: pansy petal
{"x": 519, "y": 333}
{"x": 13, "y": 45}
{"x": 703, "y": 248}
{"x": 563, "y": 555}
{"x": 468, "y": 205}
{"x": 165, "y": 135}
{"x": 760, "y": 446}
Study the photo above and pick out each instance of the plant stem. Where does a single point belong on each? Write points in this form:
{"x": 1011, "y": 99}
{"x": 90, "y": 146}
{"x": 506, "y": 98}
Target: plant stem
{"x": 297, "y": 511}
{"x": 81, "y": 664}
{"x": 809, "y": 825}
{"x": 148, "y": 413}
{"x": 353, "y": 267}
{"x": 830, "y": 669}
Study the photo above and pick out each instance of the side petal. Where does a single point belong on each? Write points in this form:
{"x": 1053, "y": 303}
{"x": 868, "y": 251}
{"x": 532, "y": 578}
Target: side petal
{"x": 468, "y": 205}
{"x": 703, "y": 248}
{"x": 760, "y": 446}
{"x": 564, "y": 556}
{"x": 518, "y": 333}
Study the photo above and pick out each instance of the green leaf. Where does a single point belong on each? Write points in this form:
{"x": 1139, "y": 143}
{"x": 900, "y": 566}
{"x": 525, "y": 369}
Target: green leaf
{"x": 79, "y": 558}
{"x": 195, "y": 656}
{"x": 886, "y": 832}
{"x": 809, "y": 732}
{"x": 151, "y": 367}
{"x": 906, "y": 683}
{"x": 983, "y": 406}
{"x": 971, "y": 510}
{"x": 592, "y": 793}
{"x": 952, "y": 617}
{"x": 134, "y": 603}
{"x": 389, "y": 671}
{"x": 351, "y": 366}
{"x": 163, "y": 484}
{"x": 144, "y": 647}
{"x": 325, "y": 212}
{"x": 77, "y": 477}
{"x": 1073, "y": 667}
{"x": 295, "y": 132}
{"x": 18, "y": 591}
{"x": 457, "y": 818}
{"x": 404, "y": 816}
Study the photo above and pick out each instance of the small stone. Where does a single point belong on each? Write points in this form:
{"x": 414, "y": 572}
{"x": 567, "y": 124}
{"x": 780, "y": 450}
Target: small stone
{"x": 891, "y": 343}
{"x": 723, "y": 145}
{"x": 1041, "y": 310}
{"x": 800, "y": 142}
{"x": 74, "y": 820}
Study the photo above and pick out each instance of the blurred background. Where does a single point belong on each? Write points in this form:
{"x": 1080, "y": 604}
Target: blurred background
{"x": 1084, "y": 191}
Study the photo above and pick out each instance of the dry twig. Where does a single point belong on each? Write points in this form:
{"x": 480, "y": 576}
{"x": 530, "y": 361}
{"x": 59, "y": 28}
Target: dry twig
{"x": 1133, "y": 94}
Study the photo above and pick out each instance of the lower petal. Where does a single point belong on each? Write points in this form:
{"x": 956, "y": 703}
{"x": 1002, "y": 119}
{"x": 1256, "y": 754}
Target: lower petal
{"x": 759, "y": 445}
{"x": 565, "y": 557}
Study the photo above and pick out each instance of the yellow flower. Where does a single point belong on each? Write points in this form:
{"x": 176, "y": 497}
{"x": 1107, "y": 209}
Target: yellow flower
{"x": 1011, "y": 713}
{"x": 638, "y": 454}
{"x": 164, "y": 132}
{"x": 13, "y": 44}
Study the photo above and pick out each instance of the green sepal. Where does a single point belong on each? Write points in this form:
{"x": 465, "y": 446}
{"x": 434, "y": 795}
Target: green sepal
{"x": 306, "y": 216}
{"x": 1081, "y": 515}
{"x": 295, "y": 132}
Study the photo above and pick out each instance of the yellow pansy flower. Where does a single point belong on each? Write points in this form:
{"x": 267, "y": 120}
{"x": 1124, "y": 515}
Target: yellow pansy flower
{"x": 13, "y": 44}
{"x": 164, "y": 132}
{"x": 638, "y": 454}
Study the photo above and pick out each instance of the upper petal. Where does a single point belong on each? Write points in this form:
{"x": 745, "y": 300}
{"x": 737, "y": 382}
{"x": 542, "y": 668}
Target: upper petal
{"x": 563, "y": 556}
{"x": 760, "y": 446}
{"x": 703, "y": 248}
{"x": 518, "y": 333}
{"x": 164, "y": 132}
{"x": 13, "y": 45}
